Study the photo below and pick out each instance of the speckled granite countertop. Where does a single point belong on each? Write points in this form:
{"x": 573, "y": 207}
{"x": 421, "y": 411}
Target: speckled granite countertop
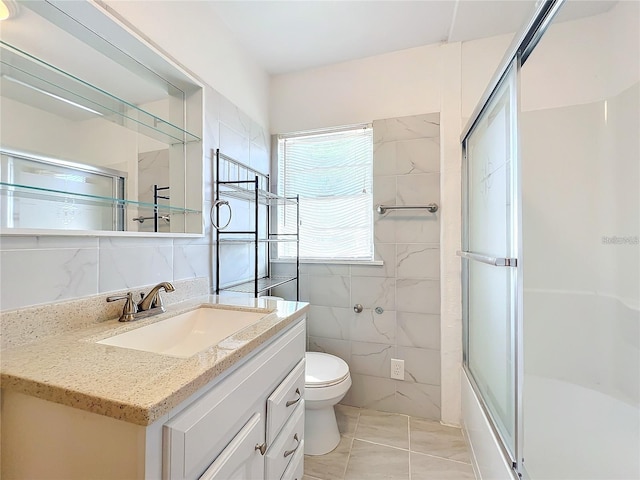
{"x": 135, "y": 386}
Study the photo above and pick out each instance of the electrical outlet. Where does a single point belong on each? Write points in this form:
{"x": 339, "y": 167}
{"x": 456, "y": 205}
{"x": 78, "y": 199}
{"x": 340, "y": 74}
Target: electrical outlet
{"x": 397, "y": 369}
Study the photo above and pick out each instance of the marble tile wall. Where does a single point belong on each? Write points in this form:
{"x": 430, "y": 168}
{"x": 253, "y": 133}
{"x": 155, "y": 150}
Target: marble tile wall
{"x": 42, "y": 269}
{"x": 407, "y": 286}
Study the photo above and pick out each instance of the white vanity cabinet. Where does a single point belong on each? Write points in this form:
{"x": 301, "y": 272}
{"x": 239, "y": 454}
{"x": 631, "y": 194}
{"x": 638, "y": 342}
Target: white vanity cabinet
{"x": 248, "y": 423}
{"x": 249, "y": 426}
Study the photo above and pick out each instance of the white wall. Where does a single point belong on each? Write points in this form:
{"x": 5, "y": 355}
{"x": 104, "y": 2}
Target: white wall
{"x": 193, "y": 34}
{"x": 436, "y": 78}
{"x": 397, "y": 84}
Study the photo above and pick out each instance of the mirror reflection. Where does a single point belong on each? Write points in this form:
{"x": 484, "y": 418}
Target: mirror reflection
{"x": 92, "y": 138}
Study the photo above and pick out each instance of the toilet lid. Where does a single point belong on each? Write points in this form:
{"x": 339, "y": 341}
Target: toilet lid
{"x": 323, "y": 370}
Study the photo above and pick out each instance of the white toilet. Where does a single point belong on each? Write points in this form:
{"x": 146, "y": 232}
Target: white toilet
{"x": 327, "y": 380}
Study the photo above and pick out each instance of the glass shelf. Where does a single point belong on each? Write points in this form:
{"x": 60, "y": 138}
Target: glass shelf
{"x": 36, "y": 78}
{"x": 249, "y": 193}
{"x": 260, "y": 240}
{"x": 29, "y": 192}
{"x": 264, "y": 284}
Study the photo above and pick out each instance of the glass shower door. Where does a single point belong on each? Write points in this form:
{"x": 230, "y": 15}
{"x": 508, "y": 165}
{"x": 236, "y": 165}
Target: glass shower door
{"x": 489, "y": 258}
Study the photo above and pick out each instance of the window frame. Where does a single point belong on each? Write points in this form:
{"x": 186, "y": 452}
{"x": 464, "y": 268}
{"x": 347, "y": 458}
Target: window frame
{"x": 278, "y": 157}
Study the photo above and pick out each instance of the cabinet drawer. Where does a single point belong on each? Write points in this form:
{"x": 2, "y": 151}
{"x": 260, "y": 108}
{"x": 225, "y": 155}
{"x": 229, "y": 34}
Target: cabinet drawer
{"x": 295, "y": 469}
{"x": 199, "y": 434}
{"x": 240, "y": 460}
{"x": 284, "y": 400}
{"x": 288, "y": 443}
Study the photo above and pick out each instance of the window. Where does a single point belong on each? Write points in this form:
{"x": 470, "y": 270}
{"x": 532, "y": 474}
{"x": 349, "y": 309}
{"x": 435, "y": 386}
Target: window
{"x": 331, "y": 171}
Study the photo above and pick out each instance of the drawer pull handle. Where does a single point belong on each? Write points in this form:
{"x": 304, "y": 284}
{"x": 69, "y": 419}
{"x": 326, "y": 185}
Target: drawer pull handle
{"x": 289, "y": 452}
{"x": 262, "y": 448}
{"x": 293, "y": 402}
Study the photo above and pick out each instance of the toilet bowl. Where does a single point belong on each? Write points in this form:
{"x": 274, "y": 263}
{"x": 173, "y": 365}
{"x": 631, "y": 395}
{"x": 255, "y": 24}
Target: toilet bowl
{"x": 327, "y": 380}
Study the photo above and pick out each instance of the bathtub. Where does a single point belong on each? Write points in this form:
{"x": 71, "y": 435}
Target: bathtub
{"x": 581, "y": 392}
{"x": 568, "y": 434}
{"x": 573, "y": 432}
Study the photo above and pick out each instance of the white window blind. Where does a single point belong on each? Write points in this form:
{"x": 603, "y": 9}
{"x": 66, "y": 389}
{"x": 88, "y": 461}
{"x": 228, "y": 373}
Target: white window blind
{"x": 331, "y": 171}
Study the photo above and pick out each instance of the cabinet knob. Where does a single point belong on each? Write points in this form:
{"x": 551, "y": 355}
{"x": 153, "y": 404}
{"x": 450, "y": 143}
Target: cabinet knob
{"x": 262, "y": 448}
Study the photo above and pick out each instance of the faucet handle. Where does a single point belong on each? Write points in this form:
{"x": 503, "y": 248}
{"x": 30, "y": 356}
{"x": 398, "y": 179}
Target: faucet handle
{"x": 130, "y": 308}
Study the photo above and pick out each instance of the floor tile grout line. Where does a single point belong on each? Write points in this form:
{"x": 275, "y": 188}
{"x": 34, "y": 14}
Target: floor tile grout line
{"x": 409, "y": 450}
{"x": 355, "y": 429}
{"x": 440, "y": 457}
{"x": 409, "y": 439}
{"x": 382, "y": 444}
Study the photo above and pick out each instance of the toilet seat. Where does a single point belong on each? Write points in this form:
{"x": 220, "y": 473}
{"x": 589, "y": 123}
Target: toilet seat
{"x": 324, "y": 370}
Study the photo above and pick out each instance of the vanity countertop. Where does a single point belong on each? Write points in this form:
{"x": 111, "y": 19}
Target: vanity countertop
{"x": 134, "y": 386}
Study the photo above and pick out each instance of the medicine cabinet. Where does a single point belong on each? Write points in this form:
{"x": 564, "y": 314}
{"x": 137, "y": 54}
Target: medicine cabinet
{"x": 101, "y": 133}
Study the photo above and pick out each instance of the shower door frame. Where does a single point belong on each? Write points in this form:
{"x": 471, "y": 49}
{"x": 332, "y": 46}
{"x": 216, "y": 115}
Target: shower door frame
{"x": 523, "y": 44}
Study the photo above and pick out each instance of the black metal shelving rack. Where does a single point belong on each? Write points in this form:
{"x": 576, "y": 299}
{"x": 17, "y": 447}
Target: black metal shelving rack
{"x": 255, "y": 187}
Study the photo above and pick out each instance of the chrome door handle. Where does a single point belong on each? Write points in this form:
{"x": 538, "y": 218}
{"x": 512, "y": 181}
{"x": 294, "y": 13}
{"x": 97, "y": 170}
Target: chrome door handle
{"x": 494, "y": 261}
{"x": 293, "y": 402}
{"x": 262, "y": 448}
{"x": 289, "y": 452}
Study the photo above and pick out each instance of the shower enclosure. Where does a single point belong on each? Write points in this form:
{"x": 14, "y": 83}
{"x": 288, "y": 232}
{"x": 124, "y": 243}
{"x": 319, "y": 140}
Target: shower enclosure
{"x": 551, "y": 252}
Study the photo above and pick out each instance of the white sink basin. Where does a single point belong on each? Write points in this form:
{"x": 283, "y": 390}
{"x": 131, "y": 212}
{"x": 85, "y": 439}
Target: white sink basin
{"x": 186, "y": 334}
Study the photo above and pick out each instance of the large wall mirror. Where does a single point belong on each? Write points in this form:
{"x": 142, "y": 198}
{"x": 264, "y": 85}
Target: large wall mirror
{"x": 100, "y": 133}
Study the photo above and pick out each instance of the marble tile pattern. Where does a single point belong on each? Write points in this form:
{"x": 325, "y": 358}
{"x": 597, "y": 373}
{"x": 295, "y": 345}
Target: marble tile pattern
{"x": 37, "y": 270}
{"x": 407, "y": 287}
{"x": 138, "y": 387}
{"x": 380, "y": 445}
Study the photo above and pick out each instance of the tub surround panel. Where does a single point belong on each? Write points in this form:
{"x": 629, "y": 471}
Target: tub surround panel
{"x": 407, "y": 287}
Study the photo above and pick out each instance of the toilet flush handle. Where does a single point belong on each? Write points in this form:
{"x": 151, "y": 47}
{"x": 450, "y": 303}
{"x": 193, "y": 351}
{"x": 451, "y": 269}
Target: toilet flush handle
{"x": 358, "y": 308}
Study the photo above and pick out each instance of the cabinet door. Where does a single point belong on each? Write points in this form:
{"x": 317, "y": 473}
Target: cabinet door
{"x": 240, "y": 460}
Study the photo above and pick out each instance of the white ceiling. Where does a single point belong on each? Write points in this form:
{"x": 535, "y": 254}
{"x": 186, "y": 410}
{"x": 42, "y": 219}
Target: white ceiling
{"x": 288, "y": 36}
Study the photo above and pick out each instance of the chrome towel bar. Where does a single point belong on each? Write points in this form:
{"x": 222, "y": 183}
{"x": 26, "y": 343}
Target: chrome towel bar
{"x": 495, "y": 261}
{"x": 432, "y": 207}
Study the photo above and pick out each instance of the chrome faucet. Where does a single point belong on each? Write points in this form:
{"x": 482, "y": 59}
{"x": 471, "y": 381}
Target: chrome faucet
{"x": 130, "y": 308}
{"x": 153, "y": 298}
{"x": 148, "y": 305}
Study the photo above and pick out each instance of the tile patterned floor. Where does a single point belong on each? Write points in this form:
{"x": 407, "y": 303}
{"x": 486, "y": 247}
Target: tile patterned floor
{"x": 378, "y": 445}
